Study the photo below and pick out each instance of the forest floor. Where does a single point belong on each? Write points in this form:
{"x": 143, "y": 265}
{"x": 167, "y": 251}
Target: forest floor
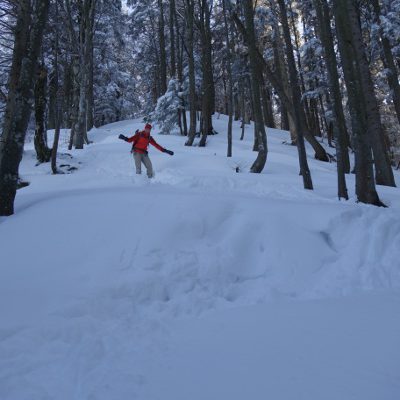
{"x": 200, "y": 284}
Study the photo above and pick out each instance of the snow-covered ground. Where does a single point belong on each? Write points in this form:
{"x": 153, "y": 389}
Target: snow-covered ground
{"x": 201, "y": 283}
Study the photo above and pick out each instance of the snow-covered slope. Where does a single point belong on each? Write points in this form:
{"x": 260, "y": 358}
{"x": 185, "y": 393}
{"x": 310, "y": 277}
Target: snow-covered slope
{"x": 202, "y": 283}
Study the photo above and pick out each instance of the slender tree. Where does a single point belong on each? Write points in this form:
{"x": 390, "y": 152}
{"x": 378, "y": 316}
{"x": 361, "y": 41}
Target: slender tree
{"x": 362, "y": 134}
{"x": 296, "y": 95}
{"x": 339, "y": 124}
{"x": 230, "y": 83}
{"x": 40, "y": 139}
{"x": 255, "y": 73}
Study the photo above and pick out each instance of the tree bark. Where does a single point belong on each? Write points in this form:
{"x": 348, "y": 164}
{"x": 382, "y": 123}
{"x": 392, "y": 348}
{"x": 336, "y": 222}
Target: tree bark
{"x": 163, "y": 55}
{"x": 267, "y": 106}
{"x": 27, "y": 43}
{"x": 365, "y": 182}
{"x": 338, "y": 120}
{"x": 296, "y": 95}
{"x": 189, "y": 14}
{"x": 230, "y": 82}
{"x": 388, "y": 61}
{"x": 255, "y": 73}
{"x": 370, "y": 116}
{"x": 172, "y": 16}
{"x": 57, "y": 103}
{"x": 90, "y": 77}
{"x": 40, "y": 140}
{"x": 208, "y": 94}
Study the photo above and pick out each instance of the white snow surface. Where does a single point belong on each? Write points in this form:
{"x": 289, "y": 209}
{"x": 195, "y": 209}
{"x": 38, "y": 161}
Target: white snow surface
{"x": 199, "y": 284}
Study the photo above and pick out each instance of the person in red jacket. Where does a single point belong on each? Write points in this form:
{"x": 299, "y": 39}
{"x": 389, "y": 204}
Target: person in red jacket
{"x": 140, "y": 143}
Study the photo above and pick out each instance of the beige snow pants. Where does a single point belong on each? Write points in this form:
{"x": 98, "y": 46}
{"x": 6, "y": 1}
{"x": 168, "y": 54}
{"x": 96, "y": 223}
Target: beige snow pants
{"x": 143, "y": 158}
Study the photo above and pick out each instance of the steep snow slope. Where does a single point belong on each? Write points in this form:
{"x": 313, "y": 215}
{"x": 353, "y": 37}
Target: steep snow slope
{"x": 202, "y": 283}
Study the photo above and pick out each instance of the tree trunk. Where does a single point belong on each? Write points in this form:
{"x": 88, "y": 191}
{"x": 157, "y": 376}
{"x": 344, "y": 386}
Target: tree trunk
{"x": 371, "y": 120}
{"x": 280, "y": 71}
{"x": 285, "y": 121}
{"x": 388, "y": 61}
{"x": 189, "y": 14}
{"x": 296, "y": 95}
{"x": 230, "y": 82}
{"x": 236, "y": 107}
{"x": 90, "y": 78}
{"x": 383, "y": 169}
{"x": 267, "y": 106}
{"x": 74, "y": 110}
{"x": 27, "y": 43}
{"x": 40, "y": 140}
{"x": 255, "y": 73}
{"x": 338, "y": 120}
{"x": 52, "y": 100}
{"x": 163, "y": 55}
{"x": 365, "y": 183}
{"x": 242, "y": 107}
{"x": 208, "y": 95}
{"x": 172, "y": 14}
{"x": 57, "y": 103}
{"x": 80, "y": 124}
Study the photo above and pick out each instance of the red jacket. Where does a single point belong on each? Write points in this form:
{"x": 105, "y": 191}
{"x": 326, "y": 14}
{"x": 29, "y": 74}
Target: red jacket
{"x": 141, "y": 140}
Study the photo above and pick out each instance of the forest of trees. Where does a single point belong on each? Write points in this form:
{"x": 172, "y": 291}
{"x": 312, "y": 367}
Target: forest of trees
{"x": 326, "y": 70}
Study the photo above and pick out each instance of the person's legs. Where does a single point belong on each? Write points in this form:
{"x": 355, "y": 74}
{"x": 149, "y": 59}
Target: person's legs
{"x": 138, "y": 162}
{"x": 148, "y": 165}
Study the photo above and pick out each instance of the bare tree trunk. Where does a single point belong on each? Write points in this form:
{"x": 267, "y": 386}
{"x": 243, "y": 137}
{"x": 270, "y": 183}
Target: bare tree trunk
{"x": 267, "y": 109}
{"x": 280, "y": 70}
{"x": 189, "y": 14}
{"x": 365, "y": 183}
{"x": 90, "y": 77}
{"x": 285, "y": 121}
{"x": 388, "y": 61}
{"x": 74, "y": 111}
{"x": 243, "y": 108}
{"x": 182, "y": 110}
{"x": 163, "y": 55}
{"x": 40, "y": 139}
{"x": 383, "y": 169}
{"x": 27, "y": 43}
{"x": 338, "y": 120}
{"x": 230, "y": 83}
{"x": 172, "y": 16}
{"x": 236, "y": 107}
{"x": 255, "y": 73}
{"x": 208, "y": 95}
{"x": 371, "y": 116}
{"x": 57, "y": 103}
{"x": 52, "y": 100}
{"x": 305, "y": 104}
{"x": 68, "y": 92}
{"x": 296, "y": 95}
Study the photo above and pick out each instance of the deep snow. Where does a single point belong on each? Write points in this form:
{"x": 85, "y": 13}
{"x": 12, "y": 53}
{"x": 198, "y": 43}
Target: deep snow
{"x": 201, "y": 283}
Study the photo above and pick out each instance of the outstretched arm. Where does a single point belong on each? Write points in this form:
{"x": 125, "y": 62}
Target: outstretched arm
{"x": 156, "y": 145}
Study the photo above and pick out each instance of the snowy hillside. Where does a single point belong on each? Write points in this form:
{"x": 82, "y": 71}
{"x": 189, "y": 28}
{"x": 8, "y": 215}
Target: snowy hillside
{"x": 201, "y": 283}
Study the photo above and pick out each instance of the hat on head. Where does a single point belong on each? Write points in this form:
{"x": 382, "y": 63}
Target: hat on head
{"x": 147, "y": 127}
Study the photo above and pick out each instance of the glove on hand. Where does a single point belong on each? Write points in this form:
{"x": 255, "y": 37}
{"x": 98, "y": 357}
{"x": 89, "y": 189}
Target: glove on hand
{"x": 123, "y": 137}
{"x": 171, "y": 153}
